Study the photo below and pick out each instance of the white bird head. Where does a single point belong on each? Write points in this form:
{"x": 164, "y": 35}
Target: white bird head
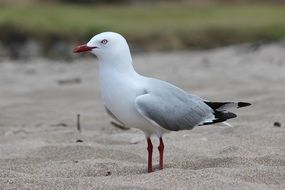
{"x": 106, "y": 46}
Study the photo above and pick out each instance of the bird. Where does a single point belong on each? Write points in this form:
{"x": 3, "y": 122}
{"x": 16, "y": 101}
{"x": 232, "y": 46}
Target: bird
{"x": 154, "y": 106}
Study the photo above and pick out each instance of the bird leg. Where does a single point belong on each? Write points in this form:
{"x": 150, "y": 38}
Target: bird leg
{"x": 149, "y": 149}
{"x": 160, "y": 149}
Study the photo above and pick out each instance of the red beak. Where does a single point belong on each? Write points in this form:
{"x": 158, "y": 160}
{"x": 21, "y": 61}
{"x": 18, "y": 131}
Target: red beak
{"x": 82, "y": 48}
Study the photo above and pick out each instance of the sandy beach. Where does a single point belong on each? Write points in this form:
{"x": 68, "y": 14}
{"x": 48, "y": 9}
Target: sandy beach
{"x": 40, "y": 99}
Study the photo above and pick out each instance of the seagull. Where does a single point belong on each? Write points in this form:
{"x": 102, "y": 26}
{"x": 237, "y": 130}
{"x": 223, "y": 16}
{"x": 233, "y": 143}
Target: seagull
{"x": 151, "y": 105}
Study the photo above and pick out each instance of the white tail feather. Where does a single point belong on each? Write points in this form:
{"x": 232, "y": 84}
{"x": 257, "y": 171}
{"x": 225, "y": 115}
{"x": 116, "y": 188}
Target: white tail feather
{"x": 227, "y": 106}
{"x": 227, "y": 124}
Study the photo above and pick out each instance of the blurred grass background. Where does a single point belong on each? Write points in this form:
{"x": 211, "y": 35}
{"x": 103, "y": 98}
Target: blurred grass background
{"x": 148, "y": 25}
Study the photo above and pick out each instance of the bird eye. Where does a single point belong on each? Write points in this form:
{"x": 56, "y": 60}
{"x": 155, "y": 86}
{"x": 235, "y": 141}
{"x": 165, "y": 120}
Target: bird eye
{"x": 104, "y": 41}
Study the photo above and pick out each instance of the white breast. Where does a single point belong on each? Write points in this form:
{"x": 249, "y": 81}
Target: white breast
{"x": 119, "y": 92}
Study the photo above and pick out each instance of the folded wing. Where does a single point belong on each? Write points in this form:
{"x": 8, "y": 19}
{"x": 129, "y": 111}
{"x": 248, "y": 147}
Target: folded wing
{"x": 174, "y": 112}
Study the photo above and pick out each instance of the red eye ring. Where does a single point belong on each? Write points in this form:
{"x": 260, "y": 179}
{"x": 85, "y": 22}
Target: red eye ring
{"x": 104, "y": 41}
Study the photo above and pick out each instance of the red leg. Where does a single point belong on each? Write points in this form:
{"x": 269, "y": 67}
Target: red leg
{"x": 161, "y": 148}
{"x": 149, "y": 149}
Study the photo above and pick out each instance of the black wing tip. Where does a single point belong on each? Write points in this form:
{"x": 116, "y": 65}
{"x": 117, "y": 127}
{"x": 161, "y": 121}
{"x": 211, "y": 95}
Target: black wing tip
{"x": 231, "y": 115}
{"x": 243, "y": 104}
{"x": 224, "y": 115}
{"x": 220, "y": 117}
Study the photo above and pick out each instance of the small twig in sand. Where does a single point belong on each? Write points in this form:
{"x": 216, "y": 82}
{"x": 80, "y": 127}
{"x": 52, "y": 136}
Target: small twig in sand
{"x": 59, "y": 125}
{"x": 78, "y": 128}
{"x": 69, "y": 81}
{"x": 78, "y": 123}
{"x": 115, "y": 124}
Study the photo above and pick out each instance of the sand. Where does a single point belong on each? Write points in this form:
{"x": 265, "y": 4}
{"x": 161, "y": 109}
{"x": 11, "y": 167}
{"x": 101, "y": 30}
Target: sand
{"x": 40, "y": 99}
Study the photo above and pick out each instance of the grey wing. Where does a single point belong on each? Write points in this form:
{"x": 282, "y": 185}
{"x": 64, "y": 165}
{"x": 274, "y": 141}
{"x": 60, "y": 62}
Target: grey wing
{"x": 174, "y": 112}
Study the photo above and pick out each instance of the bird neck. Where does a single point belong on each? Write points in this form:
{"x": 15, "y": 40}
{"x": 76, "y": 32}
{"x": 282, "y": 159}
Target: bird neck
{"x": 121, "y": 62}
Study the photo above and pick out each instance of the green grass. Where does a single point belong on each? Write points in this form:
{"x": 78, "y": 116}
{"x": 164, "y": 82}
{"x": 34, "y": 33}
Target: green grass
{"x": 153, "y": 27}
